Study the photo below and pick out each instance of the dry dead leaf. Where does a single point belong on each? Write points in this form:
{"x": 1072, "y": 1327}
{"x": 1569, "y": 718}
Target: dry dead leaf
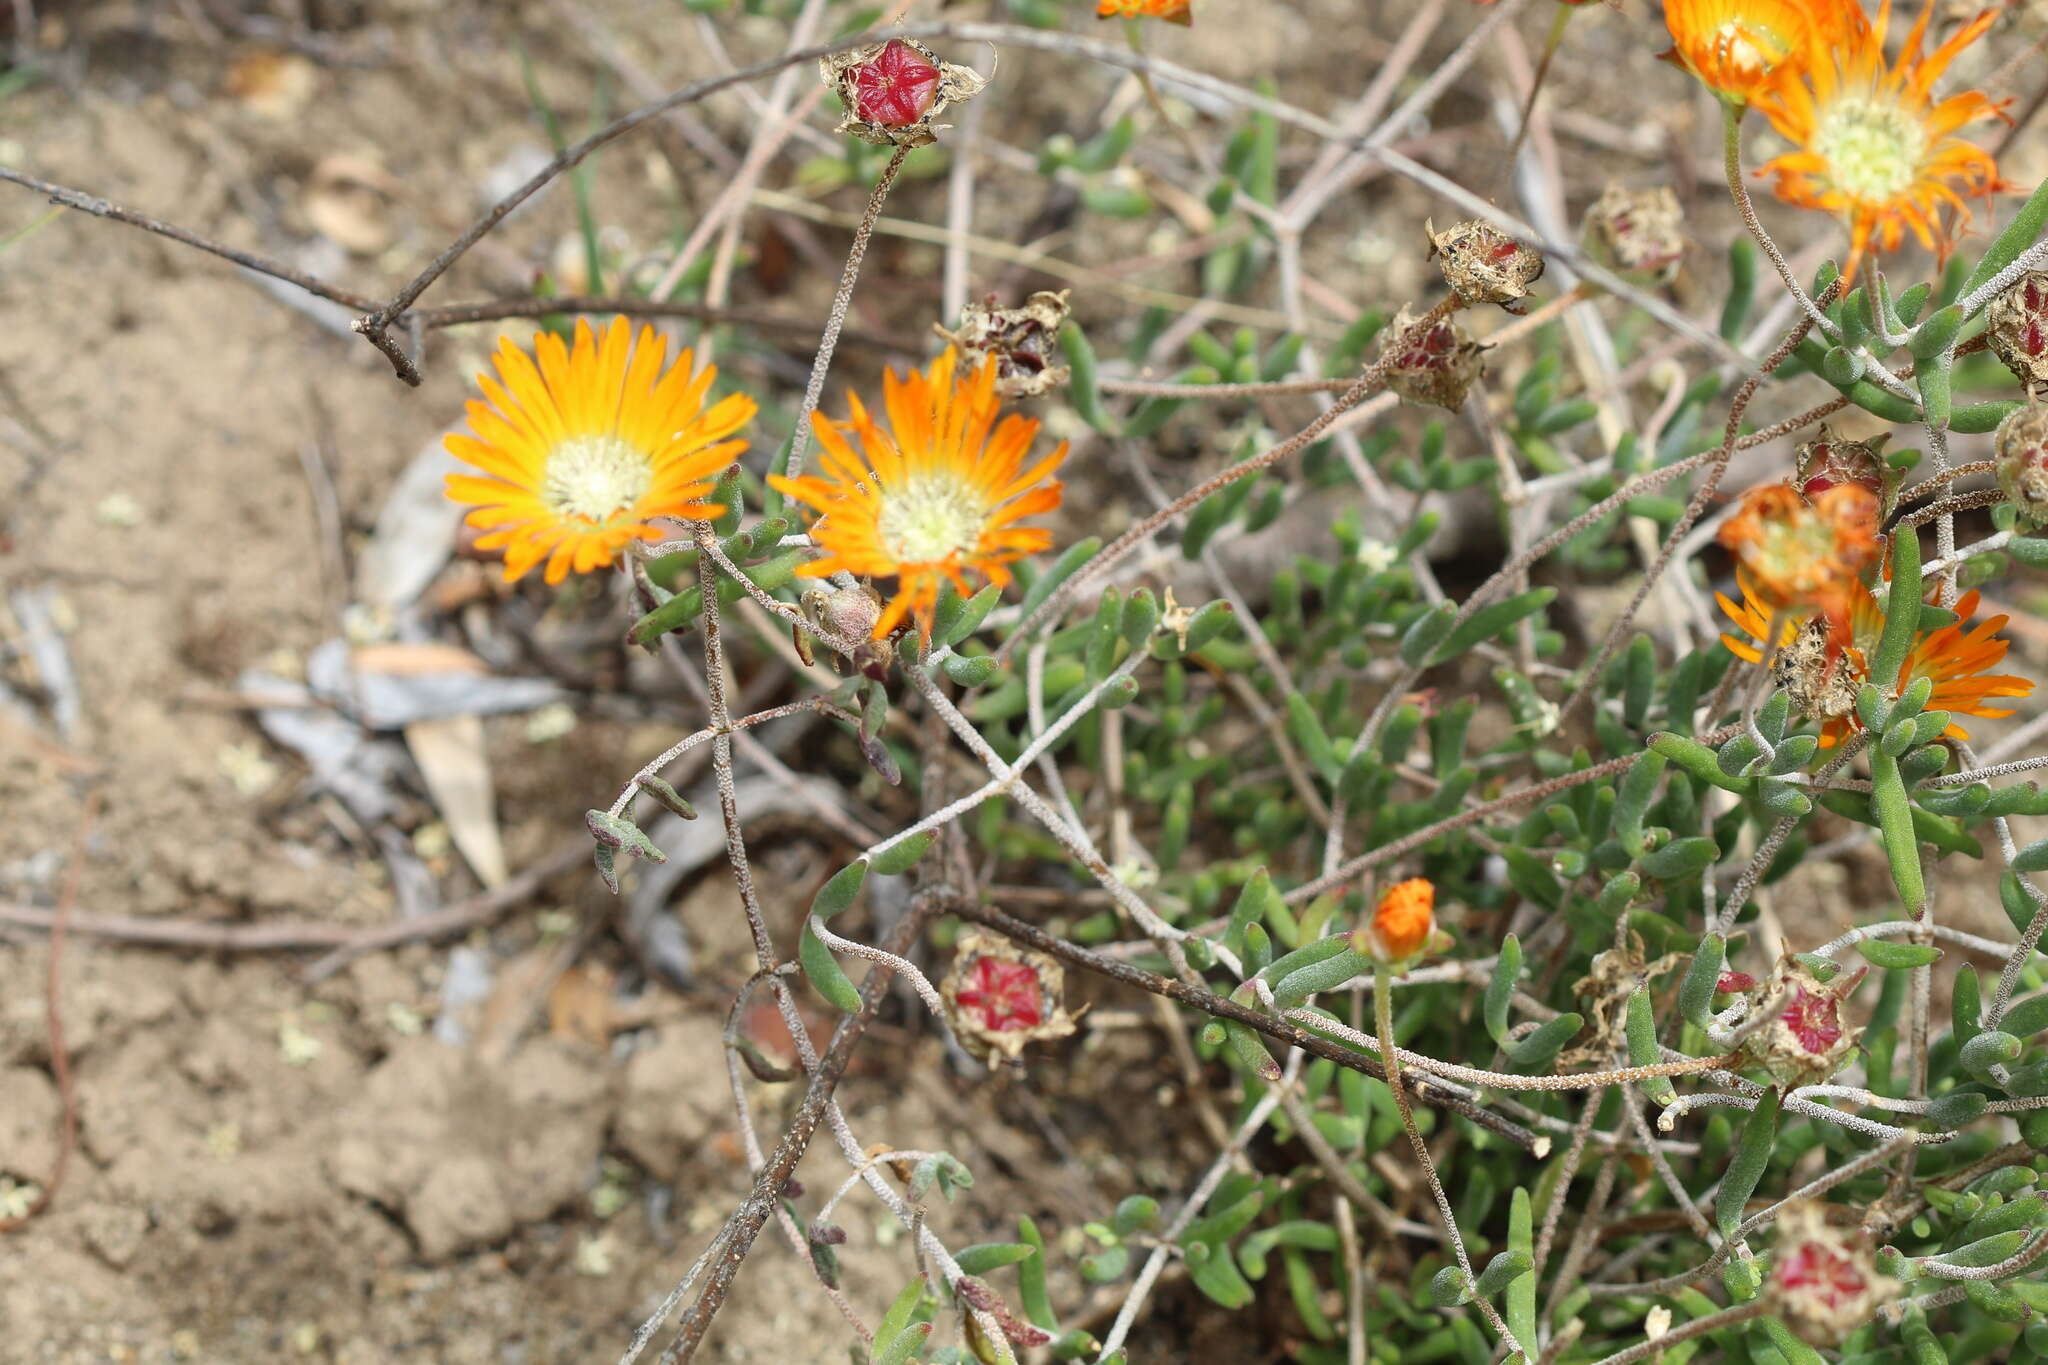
{"x": 580, "y": 1005}
{"x": 411, "y": 660}
{"x": 515, "y": 994}
{"x": 349, "y": 199}
{"x": 450, "y": 752}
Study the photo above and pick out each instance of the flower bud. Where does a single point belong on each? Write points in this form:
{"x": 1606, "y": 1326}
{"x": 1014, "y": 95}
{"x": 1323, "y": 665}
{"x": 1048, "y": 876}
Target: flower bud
{"x": 1022, "y": 340}
{"x": 1172, "y": 11}
{"x": 2017, "y": 326}
{"x": 999, "y": 997}
{"x": 893, "y": 91}
{"x": 1482, "y": 264}
{"x": 1403, "y": 926}
{"x": 2021, "y": 451}
{"x": 1436, "y": 366}
{"x": 1636, "y": 233}
{"x": 851, "y": 614}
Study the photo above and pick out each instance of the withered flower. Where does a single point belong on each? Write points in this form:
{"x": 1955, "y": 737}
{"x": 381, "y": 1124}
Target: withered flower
{"x": 1807, "y": 1042}
{"x": 894, "y": 91}
{"x": 1828, "y": 460}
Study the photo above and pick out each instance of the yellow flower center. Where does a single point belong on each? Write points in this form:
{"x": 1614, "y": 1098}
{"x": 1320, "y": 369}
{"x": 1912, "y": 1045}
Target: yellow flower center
{"x": 1747, "y": 47}
{"x": 1873, "y": 148}
{"x": 595, "y": 476}
{"x": 928, "y": 519}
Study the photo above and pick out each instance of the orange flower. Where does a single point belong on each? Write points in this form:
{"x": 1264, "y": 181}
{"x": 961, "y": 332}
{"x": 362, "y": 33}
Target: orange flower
{"x": 1737, "y": 47}
{"x": 1805, "y": 558}
{"x": 1172, "y": 11}
{"x": 1875, "y": 147}
{"x": 1954, "y": 659}
{"x": 1405, "y": 922}
{"x": 937, "y": 495}
{"x": 584, "y": 447}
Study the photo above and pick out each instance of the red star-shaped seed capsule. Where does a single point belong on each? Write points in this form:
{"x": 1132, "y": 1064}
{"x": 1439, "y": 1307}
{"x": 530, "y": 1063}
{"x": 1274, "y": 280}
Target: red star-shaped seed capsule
{"x": 1814, "y": 1268}
{"x": 1001, "y": 996}
{"x": 896, "y": 89}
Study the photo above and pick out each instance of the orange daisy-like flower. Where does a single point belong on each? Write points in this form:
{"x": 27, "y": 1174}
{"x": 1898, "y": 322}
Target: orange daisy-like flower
{"x": 1875, "y": 147}
{"x": 1738, "y": 47}
{"x": 1953, "y": 658}
{"x": 937, "y": 495}
{"x": 1403, "y": 924}
{"x": 1172, "y": 11}
{"x": 1805, "y": 558}
{"x": 582, "y": 447}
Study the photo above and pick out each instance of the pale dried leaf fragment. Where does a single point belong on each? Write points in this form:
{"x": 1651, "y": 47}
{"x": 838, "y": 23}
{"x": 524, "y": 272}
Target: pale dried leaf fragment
{"x": 451, "y": 757}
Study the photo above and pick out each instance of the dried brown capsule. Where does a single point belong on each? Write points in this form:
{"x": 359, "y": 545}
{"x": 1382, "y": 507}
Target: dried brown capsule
{"x": 1637, "y": 233}
{"x": 1436, "y": 365}
{"x": 2021, "y": 450}
{"x": 893, "y": 91}
{"x": 1828, "y": 460}
{"x": 1815, "y": 678}
{"x": 1022, "y": 340}
{"x": 1000, "y": 997}
{"x": 1482, "y": 264}
{"x": 2017, "y": 325}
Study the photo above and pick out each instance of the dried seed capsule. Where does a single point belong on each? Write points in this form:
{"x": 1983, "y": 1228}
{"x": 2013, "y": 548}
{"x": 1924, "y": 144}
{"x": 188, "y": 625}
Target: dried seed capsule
{"x": 1436, "y": 365}
{"x": 893, "y": 91}
{"x": 1022, "y": 340}
{"x": 1482, "y": 264}
{"x": 1824, "y": 1281}
{"x": 2017, "y": 325}
{"x": 1828, "y": 460}
{"x": 1636, "y": 233}
{"x": 1000, "y": 997}
{"x": 2021, "y": 449}
{"x": 1807, "y": 1042}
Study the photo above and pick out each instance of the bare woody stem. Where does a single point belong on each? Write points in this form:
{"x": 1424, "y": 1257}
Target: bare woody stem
{"x": 747, "y": 1221}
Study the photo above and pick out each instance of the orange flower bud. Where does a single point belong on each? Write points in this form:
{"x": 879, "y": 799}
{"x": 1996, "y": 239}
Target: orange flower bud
{"x": 1404, "y": 923}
